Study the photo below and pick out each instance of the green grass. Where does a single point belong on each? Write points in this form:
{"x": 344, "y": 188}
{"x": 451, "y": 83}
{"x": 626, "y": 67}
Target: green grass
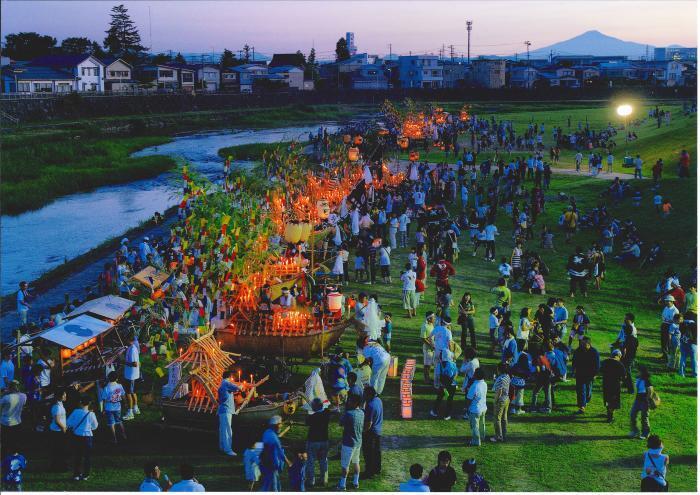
{"x": 252, "y": 151}
{"x": 560, "y": 452}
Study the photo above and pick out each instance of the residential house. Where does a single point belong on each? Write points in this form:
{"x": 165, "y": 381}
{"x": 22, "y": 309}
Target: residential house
{"x": 229, "y": 79}
{"x": 667, "y": 73}
{"x": 369, "y": 76}
{"x": 185, "y": 76}
{"x": 454, "y": 74}
{"x": 563, "y": 77}
{"x": 586, "y": 74}
{"x": 676, "y": 53}
{"x": 522, "y": 76}
{"x": 293, "y": 76}
{"x": 208, "y": 76}
{"x": 246, "y": 75}
{"x": 617, "y": 70}
{"x": 30, "y": 79}
{"x": 420, "y": 71}
{"x": 88, "y": 71}
{"x": 161, "y": 77}
{"x": 489, "y": 73}
{"x": 118, "y": 75}
{"x": 339, "y": 73}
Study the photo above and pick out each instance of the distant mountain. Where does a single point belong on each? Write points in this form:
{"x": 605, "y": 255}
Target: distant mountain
{"x": 594, "y": 43}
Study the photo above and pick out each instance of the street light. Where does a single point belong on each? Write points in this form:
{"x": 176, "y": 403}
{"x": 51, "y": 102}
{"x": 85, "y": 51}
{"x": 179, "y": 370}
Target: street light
{"x": 625, "y": 111}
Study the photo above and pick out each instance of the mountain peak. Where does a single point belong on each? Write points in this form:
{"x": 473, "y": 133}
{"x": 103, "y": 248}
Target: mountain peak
{"x": 593, "y": 42}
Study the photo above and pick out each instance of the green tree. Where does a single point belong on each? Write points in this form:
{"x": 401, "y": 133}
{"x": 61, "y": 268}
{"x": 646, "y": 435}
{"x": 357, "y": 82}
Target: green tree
{"x": 123, "y": 39}
{"x": 160, "y": 58}
{"x": 228, "y": 59}
{"x": 78, "y": 46}
{"x": 246, "y": 53}
{"x": 341, "y": 50}
{"x": 179, "y": 59}
{"x": 311, "y": 68}
{"x": 27, "y": 46}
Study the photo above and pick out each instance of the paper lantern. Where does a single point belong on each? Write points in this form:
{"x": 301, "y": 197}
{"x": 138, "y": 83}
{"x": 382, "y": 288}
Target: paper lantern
{"x": 92, "y": 341}
{"x": 394, "y": 366}
{"x": 463, "y": 116}
{"x": 157, "y": 294}
{"x": 334, "y": 301}
{"x": 402, "y": 141}
{"x": 414, "y": 156}
{"x": 353, "y": 154}
{"x": 358, "y": 140}
{"x": 306, "y": 229}
{"x": 323, "y": 209}
{"x": 292, "y": 232}
{"x": 347, "y": 138}
{"x": 407, "y": 411}
{"x": 65, "y": 353}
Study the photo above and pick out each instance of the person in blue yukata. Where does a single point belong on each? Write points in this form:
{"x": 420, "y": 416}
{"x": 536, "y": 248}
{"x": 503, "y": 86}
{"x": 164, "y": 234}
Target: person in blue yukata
{"x": 297, "y": 471}
{"x": 225, "y": 412}
{"x": 272, "y": 459}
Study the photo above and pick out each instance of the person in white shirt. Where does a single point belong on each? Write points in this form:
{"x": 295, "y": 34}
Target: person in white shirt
{"x": 666, "y": 321}
{"x": 188, "y": 483}
{"x": 490, "y": 231}
{"x": 46, "y": 364}
{"x": 477, "y": 408}
{"x": 112, "y": 396}
{"x": 611, "y": 159}
{"x": 403, "y": 229}
{"x": 132, "y": 372}
{"x": 638, "y": 167}
{"x": 377, "y": 359}
{"x": 57, "y": 433}
{"x": 7, "y": 369}
{"x": 150, "y": 483}
{"x": 578, "y": 159}
{"x": 393, "y": 228}
{"x": 408, "y": 282}
{"x": 11, "y": 405}
{"x": 442, "y": 336}
{"x": 82, "y": 422}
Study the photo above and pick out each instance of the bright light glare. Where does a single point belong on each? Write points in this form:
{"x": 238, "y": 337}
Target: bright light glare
{"x": 624, "y": 110}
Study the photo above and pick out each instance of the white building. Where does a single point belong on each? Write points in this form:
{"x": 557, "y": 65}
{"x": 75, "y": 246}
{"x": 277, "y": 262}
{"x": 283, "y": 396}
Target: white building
{"x": 293, "y": 76}
{"x": 88, "y": 71}
{"x": 118, "y": 75}
{"x": 350, "y": 41}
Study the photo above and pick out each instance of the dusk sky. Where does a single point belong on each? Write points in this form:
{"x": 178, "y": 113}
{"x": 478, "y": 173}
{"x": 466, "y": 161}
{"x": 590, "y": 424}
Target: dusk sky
{"x": 421, "y": 27}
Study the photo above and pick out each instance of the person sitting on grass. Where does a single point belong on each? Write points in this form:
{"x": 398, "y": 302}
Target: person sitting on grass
{"x": 150, "y": 483}
{"x": 415, "y": 484}
{"x": 188, "y": 483}
{"x": 475, "y": 481}
{"x": 443, "y": 476}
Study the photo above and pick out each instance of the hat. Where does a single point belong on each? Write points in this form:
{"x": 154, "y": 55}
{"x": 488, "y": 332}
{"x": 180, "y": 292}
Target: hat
{"x": 258, "y": 446}
{"x": 146, "y": 238}
{"x": 275, "y": 420}
{"x": 317, "y": 405}
{"x": 670, "y": 298}
{"x": 125, "y": 240}
{"x": 616, "y": 352}
{"x": 446, "y": 320}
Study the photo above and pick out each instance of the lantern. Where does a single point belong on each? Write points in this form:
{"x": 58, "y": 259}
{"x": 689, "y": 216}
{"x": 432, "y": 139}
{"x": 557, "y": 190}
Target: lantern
{"x": 463, "y": 116}
{"x": 334, "y": 301}
{"x": 292, "y": 232}
{"x": 402, "y": 141}
{"x": 394, "y": 366}
{"x": 358, "y": 140}
{"x": 383, "y": 132}
{"x": 306, "y": 229}
{"x": 414, "y": 156}
{"x": 92, "y": 341}
{"x": 65, "y": 353}
{"x": 353, "y": 154}
{"x": 323, "y": 209}
{"x": 407, "y": 411}
{"x": 347, "y": 138}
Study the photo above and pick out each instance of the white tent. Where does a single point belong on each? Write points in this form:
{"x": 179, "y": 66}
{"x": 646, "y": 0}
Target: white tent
{"x": 77, "y": 331}
{"x": 112, "y": 307}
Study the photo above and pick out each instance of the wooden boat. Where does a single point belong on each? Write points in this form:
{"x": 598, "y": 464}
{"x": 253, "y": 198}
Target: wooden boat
{"x": 302, "y": 345}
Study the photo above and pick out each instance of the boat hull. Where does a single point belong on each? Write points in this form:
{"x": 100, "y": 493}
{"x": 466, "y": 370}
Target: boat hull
{"x": 175, "y": 413}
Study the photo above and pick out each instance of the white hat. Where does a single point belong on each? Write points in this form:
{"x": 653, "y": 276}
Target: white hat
{"x": 670, "y": 298}
{"x": 275, "y": 420}
{"x": 125, "y": 240}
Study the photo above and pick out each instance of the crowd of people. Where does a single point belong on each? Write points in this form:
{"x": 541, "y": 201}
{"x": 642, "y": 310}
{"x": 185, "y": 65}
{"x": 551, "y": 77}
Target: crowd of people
{"x": 534, "y": 347}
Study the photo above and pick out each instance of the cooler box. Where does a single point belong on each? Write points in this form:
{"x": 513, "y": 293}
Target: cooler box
{"x": 628, "y": 161}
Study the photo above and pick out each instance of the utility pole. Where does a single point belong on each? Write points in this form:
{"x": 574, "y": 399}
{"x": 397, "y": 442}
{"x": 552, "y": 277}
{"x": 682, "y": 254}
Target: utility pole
{"x": 452, "y": 53}
{"x": 527, "y": 45}
{"x": 389, "y": 51}
{"x": 253, "y": 53}
{"x": 469, "y": 42}
{"x": 442, "y": 52}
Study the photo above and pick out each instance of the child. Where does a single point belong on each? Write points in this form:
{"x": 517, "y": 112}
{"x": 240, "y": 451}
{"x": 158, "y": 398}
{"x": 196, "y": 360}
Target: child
{"x": 12, "y": 471}
{"x": 359, "y": 266}
{"x": 494, "y": 323}
{"x": 637, "y": 198}
{"x": 338, "y": 380}
{"x": 580, "y": 325}
{"x": 251, "y": 464}
{"x": 112, "y": 396}
{"x": 386, "y": 332}
{"x": 443, "y": 476}
{"x": 658, "y": 200}
{"x": 354, "y": 388}
{"x": 413, "y": 258}
{"x": 475, "y": 482}
{"x": 548, "y": 239}
{"x": 297, "y": 471}
{"x": 674, "y": 339}
{"x": 666, "y": 208}
{"x": 505, "y": 270}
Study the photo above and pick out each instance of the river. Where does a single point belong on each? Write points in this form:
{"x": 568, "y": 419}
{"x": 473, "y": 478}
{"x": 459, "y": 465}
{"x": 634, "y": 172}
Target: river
{"x": 37, "y": 241}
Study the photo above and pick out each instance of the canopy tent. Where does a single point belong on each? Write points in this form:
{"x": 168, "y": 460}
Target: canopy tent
{"x": 151, "y": 277}
{"x": 112, "y": 307}
{"x": 77, "y": 331}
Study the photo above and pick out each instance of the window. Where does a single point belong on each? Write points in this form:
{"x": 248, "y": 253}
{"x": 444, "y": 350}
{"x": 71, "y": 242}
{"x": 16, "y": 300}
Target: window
{"x": 189, "y": 77}
{"x": 119, "y": 73}
{"x": 23, "y": 87}
{"x": 90, "y": 71}
{"x": 210, "y": 75}
{"x": 436, "y": 73}
{"x": 166, "y": 73}
{"x": 226, "y": 76}
{"x": 425, "y": 72}
{"x": 63, "y": 87}
{"x": 43, "y": 87}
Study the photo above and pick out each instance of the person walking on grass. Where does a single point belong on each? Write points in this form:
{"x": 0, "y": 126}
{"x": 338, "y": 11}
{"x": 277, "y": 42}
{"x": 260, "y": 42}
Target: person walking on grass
{"x": 640, "y": 407}
{"x": 132, "y": 372}
{"x": 112, "y": 396}
{"x": 467, "y": 310}
{"x": 577, "y": 269}
{"x": 82, "y": 422}
{"x": 428, "y": 342}
{"x": 655, "y": 466}
{"x": 501, "y": 402}
{"x": 408, "y": 283}
{"x": 447, "y": 383}
{"x": 272, "y": 459}
{"x": 477, "y": 408}
{"x": 585, "y": 364}
{"x": 613, "y": 372}
{"x": 352, "y": 422}
{"x": 372, "y": 433}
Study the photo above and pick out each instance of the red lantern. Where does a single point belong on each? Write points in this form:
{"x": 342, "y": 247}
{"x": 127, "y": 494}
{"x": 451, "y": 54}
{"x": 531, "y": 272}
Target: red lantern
{"x": 358, "y": 140}
{"x": 414, "y": 156}
{"x": 353, "y": 154}
{"x": 402, "y": 141}
{"x": 65, "y": 353}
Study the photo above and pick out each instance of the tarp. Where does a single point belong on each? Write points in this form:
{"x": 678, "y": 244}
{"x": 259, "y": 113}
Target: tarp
{"x": 150, "y": 277}
{"x": 112, "y": 307}
{"x": 77, "y": 331}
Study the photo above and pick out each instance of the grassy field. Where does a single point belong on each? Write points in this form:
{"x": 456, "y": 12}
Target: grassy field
{"x": 557, "y": 452}
{"x": 43, "y": 163}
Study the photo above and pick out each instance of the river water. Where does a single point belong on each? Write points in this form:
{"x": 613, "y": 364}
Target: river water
{"x": 37, "y": 241}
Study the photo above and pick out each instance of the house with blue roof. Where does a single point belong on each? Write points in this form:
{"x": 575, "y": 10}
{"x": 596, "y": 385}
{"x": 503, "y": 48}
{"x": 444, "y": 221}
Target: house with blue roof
{"x": 88, "y": 71}
{"x": 29, "y": 79}
{"x": 292, "y": 75}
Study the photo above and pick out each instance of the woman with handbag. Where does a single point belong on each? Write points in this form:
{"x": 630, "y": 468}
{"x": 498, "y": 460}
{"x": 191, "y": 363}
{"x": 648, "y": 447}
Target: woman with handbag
{"x": 642, "y": 403}
{"x": 82, "y": 422}
{"x": 655, "y": 466}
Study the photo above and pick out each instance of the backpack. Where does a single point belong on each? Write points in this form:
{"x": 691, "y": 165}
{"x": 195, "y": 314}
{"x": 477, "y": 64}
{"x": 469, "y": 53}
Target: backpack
{"x": 448, "y": 371}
